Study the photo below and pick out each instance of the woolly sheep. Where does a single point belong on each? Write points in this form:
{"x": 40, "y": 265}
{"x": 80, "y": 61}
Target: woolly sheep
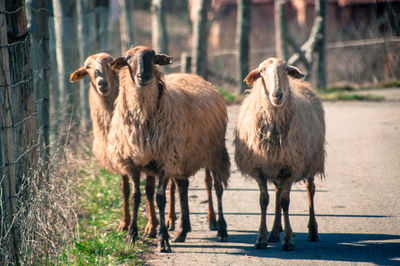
{"x": 280, "y": 138}
{"x": 102, "y": 94}
{"x": 169, "y": 128}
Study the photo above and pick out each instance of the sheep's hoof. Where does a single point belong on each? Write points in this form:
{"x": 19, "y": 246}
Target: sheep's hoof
{"x": 171, "y": 224}
{"x": 130, "y": 239}
{"x": 150, "y": 234}
{"x": 150, "y": 231}
{"x": 122, "y": 227}
{"x": 287, "y": 245}
{"x": 222, "y": 235}
{"x": 181, "y": 237}
{"x": 274, "y": 237}
{"x": 313, "y": 237}
{"x": 163, "y": 246}
{"x": 260, "y": 245}
{"x": 212, "y": 224}
{"x": 313, "y": 233}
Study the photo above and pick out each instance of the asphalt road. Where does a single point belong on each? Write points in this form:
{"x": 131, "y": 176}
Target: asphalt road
{"x": 357, "y": 204}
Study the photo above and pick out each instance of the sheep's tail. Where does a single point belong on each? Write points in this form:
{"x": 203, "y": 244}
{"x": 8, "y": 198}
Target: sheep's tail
{"x": 221, "y": 167}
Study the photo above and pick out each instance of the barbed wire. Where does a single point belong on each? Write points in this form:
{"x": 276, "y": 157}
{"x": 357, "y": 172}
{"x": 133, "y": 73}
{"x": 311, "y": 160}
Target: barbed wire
{"x": 23, "y": 7}
{"x": 15, "y": 161}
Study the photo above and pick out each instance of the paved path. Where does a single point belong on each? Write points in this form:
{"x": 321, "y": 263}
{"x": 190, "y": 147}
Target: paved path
{"x": 357, "y": 205}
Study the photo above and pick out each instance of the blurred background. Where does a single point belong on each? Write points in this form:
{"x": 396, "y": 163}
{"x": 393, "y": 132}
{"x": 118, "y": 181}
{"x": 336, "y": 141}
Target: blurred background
{"x": 45, "y": 129}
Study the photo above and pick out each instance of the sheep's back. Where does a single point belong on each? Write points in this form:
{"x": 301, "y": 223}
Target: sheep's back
{"x": 192, "y": 124}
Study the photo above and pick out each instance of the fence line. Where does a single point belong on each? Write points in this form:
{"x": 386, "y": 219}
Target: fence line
{"x": 332, "y": 45}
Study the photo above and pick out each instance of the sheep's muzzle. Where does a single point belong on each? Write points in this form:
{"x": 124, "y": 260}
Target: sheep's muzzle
{"x": 144, "y": 70}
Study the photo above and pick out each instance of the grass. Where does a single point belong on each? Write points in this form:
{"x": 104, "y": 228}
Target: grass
{"x": 344, "y": 96}
{"x": 391, "y": 84}
{"x": 229, "y": 97}
{"x": 348, "y": 92}
{"x": 96, "y": 240}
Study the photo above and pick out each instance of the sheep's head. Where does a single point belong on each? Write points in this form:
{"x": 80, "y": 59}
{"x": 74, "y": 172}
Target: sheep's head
{"x": 141, "y": 61}
{"x": 98, "y": 67}
{"x": 274, "y": 73}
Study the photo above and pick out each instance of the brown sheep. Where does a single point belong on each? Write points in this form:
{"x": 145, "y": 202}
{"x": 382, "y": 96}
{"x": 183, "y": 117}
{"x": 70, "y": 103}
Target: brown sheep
{"x": 280, "y": 138}
{"x": 172, "y": 129}
{"x": 102, "y": 94}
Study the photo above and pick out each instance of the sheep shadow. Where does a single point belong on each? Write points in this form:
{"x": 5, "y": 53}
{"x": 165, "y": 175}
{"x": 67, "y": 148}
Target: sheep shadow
{"x": 381, "y": 249}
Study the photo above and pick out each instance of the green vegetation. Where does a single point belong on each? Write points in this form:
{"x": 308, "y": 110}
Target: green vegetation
{"x": 96, "y": 240}
{"x": 229, "y": 97}
{"x": 391, "y": 84}
{"x": 343, "y": 96}
{"x": 348, "y": 92}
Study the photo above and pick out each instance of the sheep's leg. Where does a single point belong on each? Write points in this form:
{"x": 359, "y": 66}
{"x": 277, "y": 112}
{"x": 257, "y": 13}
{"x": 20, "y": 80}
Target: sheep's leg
{"x": 222, "y": 234}
{"x": 163, "y": 243}
{"x": 126, "y": 217}
{"x": 183, "y": 185}
{"x": 171, "y": 213}
{"x": 261, "y": 242}
{"x": 312, "y": 224}
{"x": 277, "y": 227}
{"x": 151, "y": 227}
{"x": 136, "y": 197}
{"x": 288, "y": 241}
{"x": 211, "y": 217}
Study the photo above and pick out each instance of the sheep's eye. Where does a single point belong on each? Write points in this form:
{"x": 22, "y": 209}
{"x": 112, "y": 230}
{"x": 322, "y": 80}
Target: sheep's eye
{"x": 87, "y": 66}
{"x": 261, "y": 71}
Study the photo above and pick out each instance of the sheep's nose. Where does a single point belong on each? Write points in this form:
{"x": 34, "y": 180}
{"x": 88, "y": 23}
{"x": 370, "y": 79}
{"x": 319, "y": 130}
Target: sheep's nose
{"x": 103, "y": 83}
{"x": 278, "y": 95}
{"x": 143, "y": 76}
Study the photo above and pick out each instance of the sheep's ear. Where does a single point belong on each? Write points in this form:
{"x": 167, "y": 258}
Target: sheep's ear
{"x": 294, "y": 72}
{"x": 118, "y": 63}
{"x": 162, "y": 59}
{"x": 78, "y": 74}
{"x": 252, "y": 76}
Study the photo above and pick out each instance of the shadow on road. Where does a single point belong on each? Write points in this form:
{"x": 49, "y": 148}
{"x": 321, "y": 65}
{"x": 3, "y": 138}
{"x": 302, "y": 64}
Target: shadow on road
{"x": 381, "y": 249}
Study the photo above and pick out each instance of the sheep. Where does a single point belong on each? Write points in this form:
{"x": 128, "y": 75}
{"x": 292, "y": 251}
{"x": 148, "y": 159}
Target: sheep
{"x": 102, "y": 94}
{"x": 280, "y": 138}
{"x": 169, "y": 128}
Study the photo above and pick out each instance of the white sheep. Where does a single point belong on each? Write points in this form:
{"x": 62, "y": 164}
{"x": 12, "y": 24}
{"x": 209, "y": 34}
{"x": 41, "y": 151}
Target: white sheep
{"x": 280, "y": 138}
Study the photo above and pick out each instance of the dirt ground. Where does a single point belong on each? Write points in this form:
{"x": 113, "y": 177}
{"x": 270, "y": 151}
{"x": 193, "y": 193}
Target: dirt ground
{"x": 357, "y": 205}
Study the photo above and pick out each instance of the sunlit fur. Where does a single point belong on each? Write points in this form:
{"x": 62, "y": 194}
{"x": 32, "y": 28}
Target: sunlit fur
{"x": 179, "y": 124}
{"x": 269, "y": 137}
{"x": 101, "y": 102}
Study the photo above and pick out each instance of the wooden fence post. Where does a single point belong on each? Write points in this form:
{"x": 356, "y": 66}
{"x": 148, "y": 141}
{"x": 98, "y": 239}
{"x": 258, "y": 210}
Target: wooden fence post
{"x": 8, "y": 234}
{"x": 200, "y": 36}
{"x": 186, "y": 63}
{"x": 159, "y": 27}
{"x": 40, "y": 64}
{"x": 67, "y": 51}
{"x": 88, "y": 44}
{"x": 320, "y": 64}
{"x": 126, "y": 23}
{"x": 243, "y": 31}
{"x": 280, "y": 29}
